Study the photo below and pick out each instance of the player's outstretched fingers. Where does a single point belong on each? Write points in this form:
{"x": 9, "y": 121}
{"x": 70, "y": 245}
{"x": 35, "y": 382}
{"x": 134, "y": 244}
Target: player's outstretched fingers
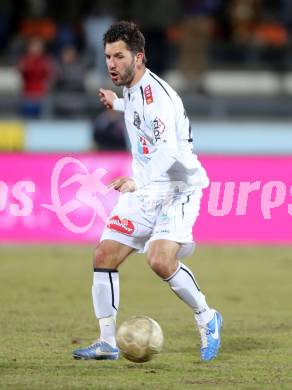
{"x": 124, "y": 188}
{"x": 118, "y": 182}
{"x": 128, "y": 186}
{"x": 107, "y": 97}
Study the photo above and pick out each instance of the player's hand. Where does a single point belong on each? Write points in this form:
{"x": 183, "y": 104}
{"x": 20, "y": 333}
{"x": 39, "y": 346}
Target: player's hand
{"x": 123, "y": 184}
{"x": 107, "y": 97}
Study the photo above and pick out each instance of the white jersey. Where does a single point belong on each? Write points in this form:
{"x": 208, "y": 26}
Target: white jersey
{"x": 160, "y": 134}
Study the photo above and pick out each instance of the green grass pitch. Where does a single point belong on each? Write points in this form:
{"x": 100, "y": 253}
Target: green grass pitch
{"x": 46, "y": 312}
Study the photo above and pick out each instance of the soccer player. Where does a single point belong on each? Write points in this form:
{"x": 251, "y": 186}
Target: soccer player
{"x": 159, "y": 204}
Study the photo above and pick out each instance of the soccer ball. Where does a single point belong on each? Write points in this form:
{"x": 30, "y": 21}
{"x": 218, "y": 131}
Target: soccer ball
{"x": 139, "y": 338}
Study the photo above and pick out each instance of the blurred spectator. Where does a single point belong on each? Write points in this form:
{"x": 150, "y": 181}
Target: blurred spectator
{"x": 109, "y": 131}
{"x": 270, "y": 40}
{"x": 268, "y": 29}
{"x": 69, "y": 84}
{"x": 244, "y": 15}
{"x": 95, "y": 25}
{"x": 70, "y": 71}
{"x": 154, "y": 18}
{"x": 256, "y": 27}
{"x": 65, "y": 36}
{"x": 37, "y": 72}
{"x": 197, "y": 29}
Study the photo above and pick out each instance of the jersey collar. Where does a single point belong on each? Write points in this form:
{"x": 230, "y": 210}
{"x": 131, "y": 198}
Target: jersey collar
{"x": 136, "y": 86}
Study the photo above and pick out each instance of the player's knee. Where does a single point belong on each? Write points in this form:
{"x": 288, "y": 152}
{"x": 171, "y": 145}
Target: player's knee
{"x": 159, "y": 264}
{"x": 103, "y": 257}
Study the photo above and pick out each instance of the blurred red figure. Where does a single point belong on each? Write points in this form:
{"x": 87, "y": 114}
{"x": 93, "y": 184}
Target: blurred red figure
{"x": 37, "y": 71}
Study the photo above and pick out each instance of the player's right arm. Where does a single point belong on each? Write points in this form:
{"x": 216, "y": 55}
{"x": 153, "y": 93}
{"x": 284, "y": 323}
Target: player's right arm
{"x": 110, "y": 100}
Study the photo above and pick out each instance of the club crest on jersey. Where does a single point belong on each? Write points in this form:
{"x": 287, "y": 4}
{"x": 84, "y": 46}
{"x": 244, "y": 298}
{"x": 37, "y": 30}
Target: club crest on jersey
{"x": 137, "y": 120}
{"x": 122, "y": 225}
{"x": 158, "y": 128}
{"x": 148, "y": 94}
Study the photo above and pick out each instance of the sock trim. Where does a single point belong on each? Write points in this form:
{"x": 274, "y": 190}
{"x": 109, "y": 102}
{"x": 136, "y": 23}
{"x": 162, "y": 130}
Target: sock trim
{"x": 104, "y": 270}
{"x": 191, "y": 276}
{"x": 173, "y": 275}
{"x": 112, "y": 290}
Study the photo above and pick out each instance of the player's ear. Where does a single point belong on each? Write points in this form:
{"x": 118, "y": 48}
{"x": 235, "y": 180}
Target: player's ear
{"x": 139, "y": 58}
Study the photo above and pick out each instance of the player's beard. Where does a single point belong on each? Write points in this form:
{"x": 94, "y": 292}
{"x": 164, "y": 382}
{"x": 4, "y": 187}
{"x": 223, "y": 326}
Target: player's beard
{"x": 127, "y": 77}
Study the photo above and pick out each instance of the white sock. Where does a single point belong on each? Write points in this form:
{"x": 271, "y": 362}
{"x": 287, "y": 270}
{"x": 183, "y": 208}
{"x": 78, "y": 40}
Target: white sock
{"x": 108, "y": 330}
{"x": 106, "y": 296}
{"x": 184, "y": 285}
{"x": 204, "y": 317}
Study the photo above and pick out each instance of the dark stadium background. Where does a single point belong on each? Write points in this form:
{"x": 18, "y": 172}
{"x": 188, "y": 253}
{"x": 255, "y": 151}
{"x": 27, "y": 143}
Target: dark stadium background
{"x": 231, "y": 62}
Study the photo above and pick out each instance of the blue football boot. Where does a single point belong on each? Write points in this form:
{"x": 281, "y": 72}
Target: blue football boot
{"x": 210, "y": 337}
{"x": 100, "y": 350}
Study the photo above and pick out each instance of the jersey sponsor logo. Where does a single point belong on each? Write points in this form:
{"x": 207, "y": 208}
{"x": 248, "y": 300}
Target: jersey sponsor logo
{"x": 137, "y": 120}
{"x": 142, "y": 146}
{"x": 148, "y": 94}
{"x": 158, "y": 128}
{"x": 122, "y": 225}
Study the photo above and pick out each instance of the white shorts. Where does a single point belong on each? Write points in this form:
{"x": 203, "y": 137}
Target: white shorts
{"x": 147, "y": 215}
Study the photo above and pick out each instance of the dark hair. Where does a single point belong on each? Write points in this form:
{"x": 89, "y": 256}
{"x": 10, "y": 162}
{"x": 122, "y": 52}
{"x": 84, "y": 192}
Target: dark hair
{"x": 127, "y": 32}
